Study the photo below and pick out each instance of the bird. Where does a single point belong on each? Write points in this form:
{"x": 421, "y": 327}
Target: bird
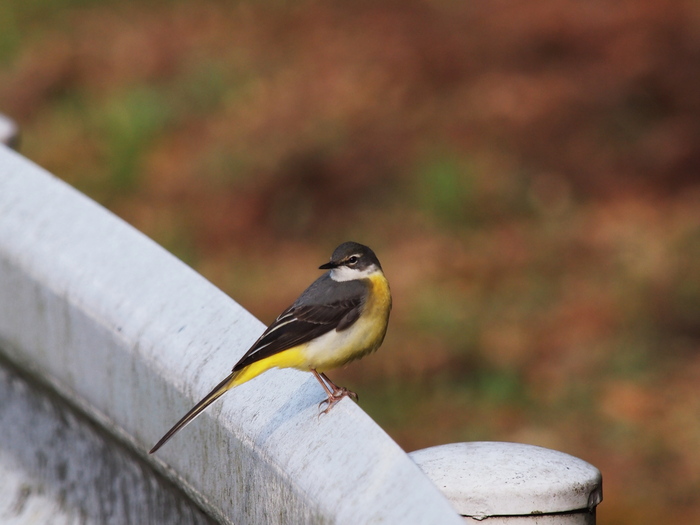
{"x": 342, "y": 316}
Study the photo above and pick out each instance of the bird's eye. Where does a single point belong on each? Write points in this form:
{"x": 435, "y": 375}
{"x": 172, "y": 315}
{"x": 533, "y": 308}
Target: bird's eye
{"x": 353, "y": 259}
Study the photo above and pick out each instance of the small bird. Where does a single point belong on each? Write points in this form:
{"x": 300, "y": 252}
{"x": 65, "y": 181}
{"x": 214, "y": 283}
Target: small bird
{"x": 341, "y": 317}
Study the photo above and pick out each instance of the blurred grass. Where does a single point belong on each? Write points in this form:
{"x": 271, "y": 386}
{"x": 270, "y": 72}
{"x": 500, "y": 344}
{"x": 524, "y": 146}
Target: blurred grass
{"x": 131, "y": 122}
{"x": 527, "y": 173}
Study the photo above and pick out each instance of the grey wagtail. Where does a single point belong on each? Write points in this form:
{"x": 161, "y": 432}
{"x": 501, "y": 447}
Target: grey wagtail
{"x": 341, "y": 317}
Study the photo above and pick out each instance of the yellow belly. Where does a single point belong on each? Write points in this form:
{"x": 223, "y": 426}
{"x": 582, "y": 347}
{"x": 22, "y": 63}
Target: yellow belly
{"x": 334, "y": 349}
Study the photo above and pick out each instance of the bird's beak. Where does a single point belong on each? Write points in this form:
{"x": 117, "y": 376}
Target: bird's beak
{"x": 328, "y": 266}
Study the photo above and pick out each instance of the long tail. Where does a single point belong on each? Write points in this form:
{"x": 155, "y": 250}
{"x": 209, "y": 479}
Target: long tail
{"x": 219, "y": 390}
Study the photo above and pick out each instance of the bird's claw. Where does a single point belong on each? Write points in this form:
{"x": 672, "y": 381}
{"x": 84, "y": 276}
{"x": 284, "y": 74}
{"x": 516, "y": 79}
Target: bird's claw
{"x": 338, "y": 394}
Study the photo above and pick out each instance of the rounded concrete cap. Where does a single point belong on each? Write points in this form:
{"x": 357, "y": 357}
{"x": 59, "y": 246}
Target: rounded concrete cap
{"x": 9, "y": 132}
{"x": 483, "y": 479}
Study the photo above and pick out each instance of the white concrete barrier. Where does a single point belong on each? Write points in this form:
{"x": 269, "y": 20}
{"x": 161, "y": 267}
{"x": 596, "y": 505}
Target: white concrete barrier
{"x": 133, "y": 337}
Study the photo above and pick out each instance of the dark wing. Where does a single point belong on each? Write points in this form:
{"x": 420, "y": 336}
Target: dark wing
{"x": 306, "y": 320}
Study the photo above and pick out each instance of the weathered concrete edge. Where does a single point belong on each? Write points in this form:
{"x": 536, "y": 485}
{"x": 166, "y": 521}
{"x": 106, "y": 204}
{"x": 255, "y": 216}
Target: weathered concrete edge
{"x": 134, "y": 336}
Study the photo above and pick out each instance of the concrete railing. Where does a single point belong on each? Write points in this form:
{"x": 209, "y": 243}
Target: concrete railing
{"x": 99, "y": 324}
{"x": 133, "y": 337}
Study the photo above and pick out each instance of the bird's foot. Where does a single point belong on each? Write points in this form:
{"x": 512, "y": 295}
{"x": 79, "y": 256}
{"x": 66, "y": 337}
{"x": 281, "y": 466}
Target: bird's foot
{"x": 338, "y": 394}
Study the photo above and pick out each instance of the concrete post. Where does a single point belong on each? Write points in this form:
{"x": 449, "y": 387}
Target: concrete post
{"x": 511, "y": 483}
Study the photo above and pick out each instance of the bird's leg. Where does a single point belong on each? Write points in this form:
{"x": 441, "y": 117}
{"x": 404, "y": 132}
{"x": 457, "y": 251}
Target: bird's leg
{"x": 339, "y": 391}
{"x": 323, "y": 383}
{"x": 334, "y": 393}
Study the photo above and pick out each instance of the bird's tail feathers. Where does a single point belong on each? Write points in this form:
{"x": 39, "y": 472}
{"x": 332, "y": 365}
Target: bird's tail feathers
{"x": 212, "y": 396}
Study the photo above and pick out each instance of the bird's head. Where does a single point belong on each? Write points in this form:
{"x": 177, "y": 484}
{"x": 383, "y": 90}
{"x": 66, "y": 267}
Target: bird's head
{"x": 350, "y": 261}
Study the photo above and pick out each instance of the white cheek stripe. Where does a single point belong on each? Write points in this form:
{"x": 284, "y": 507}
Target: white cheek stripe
{"x": 343, "y": 273}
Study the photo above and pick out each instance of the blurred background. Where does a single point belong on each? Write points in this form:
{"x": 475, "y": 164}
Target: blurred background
{"x": 527, "y": 172}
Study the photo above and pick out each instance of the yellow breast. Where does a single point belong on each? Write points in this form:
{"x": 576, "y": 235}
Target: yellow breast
{"x": 335, "y": 348}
